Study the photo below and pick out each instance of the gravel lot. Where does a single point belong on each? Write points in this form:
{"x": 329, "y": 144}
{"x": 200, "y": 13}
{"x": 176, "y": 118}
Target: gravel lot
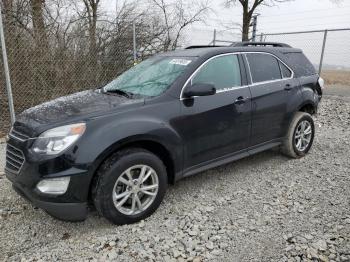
{"x": 262, "y": 208}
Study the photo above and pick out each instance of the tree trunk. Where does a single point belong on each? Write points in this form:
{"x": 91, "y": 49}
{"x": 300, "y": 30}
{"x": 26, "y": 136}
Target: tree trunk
{"x": 92, "y": 30}
{"x": 92, "y": 40}
{"x": 42, "y": 61}
{"x": 39, "y": 25}
{"x": 9, "y": 24}
{"x": 246, "y": 22}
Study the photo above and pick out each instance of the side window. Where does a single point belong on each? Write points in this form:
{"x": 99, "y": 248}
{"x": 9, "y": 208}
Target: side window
{"x": 263, "y": 67}
{"x": 286, "y": 73}
{"x": 223, "y": 72}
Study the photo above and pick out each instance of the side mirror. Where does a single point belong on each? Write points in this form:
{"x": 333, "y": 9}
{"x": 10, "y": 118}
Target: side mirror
{"x": 200, "y": 89}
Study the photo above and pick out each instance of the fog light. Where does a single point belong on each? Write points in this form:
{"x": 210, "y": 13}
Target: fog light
{"x": 54, "y": 186}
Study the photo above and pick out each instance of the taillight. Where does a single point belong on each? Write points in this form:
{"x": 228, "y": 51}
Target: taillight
{"x": 321, "y": 82}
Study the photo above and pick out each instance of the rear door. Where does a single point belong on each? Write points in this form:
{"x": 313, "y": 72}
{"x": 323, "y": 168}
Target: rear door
{"x": 217, "y": 125}
{"x": 272, "y": 85}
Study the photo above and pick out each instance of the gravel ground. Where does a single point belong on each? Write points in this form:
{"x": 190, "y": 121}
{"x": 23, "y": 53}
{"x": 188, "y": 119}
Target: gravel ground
{"x": 262, "y": 208}
{"x": 338, "y": 92}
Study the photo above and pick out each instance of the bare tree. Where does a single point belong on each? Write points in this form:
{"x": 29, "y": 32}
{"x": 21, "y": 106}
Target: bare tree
{"x": 249, "y": 7}
{"x": 91, "y": 10}
{"x": 9, "y": 20}
{"x": 57, "y": 47}
{"x": 39, "y": 24}
{"x": 176, "y": 16}
{"x": 17, "y": 16}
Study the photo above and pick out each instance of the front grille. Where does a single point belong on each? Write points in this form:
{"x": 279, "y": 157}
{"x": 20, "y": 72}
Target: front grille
{"x": 14, "y": 159}
{"x": 18, "y": 135}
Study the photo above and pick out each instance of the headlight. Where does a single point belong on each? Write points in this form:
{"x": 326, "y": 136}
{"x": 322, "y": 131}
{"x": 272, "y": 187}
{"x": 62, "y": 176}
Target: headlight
{"x": 54, "y": 186}
{"x": 55, "y": 140}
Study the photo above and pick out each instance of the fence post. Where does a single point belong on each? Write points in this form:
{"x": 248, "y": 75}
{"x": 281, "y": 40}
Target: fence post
{"x": 261, "y": 37}
{"x": 255, "y": 24}
{"x": 6, "y": 71}
{"x": 214, "y": 37}
{"x": 134, "y": 41}
{"x": 323, "y": 49}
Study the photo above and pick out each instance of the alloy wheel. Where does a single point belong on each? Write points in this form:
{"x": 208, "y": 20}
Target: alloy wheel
{"x": 135, "y": 189}
{"x": 303, "y": 135}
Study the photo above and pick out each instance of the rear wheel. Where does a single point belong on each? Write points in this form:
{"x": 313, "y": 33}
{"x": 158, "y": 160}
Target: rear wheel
{"x": 300, "y": 136}
{"x": 130, "y": 186}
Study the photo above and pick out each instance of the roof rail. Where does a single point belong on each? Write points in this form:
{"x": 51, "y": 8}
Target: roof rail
{"x": 273, "y": 44}
{"x": 202, "y": 46}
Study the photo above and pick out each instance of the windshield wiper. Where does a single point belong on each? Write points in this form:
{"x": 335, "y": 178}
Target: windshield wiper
{"x": 119, "y": 92}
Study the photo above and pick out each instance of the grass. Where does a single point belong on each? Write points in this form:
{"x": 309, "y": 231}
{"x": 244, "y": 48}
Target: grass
{"x": 336, "y": 77}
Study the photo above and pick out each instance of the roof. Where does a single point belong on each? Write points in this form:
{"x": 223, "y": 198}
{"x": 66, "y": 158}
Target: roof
{"x": 298, "y": 62}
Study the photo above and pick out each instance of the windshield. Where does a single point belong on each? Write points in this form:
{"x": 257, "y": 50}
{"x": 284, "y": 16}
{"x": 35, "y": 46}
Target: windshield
{"x": 151, "y": 77}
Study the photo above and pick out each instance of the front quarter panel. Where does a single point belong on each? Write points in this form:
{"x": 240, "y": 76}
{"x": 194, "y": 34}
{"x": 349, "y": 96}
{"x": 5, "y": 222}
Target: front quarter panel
{"x": 105, "y": 135}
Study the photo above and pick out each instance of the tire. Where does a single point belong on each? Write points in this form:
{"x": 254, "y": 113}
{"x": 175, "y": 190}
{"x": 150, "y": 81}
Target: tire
{"x": 291, "y": 146}
{"x": 126, "y": 166}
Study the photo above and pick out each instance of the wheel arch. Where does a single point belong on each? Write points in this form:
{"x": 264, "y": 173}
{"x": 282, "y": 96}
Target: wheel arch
{"x": 308, "y": 107}
{"x": 144, "y": 142}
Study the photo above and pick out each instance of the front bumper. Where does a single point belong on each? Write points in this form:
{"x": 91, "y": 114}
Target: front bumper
{"x": 61, "y": 210}
{"x": 64, "y": 211}
{"x": 72, "y": 205}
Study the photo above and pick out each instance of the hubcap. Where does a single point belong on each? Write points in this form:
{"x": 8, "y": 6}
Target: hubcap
{"x": 135, "y": 190}
{"x": 303, "y": 135}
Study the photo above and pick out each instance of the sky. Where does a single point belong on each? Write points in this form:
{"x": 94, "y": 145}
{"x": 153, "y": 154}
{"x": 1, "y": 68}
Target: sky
{"x": 297, "y": 15}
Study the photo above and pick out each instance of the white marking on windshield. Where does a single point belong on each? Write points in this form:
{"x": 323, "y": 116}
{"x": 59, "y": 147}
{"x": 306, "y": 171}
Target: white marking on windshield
{"x": 178, "y": 61}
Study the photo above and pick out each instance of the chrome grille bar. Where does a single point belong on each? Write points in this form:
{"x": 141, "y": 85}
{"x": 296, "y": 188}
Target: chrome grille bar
{"x": 18, "y": 135}
{"x": 14, "y": 159}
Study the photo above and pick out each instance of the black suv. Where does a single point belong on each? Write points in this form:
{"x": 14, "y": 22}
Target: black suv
{"x": 173, "y": 115}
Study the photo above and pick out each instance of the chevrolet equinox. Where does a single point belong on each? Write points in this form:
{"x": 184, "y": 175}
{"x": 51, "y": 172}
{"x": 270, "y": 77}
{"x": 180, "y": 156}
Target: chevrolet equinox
{"x": 171, "y": 116}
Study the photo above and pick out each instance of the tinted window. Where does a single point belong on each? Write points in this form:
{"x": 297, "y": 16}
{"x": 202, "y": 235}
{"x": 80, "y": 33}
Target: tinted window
{"x": 300, "y": 64}
{"x": 223, "y": 72}
{"x": 286, "y": 73}
{"x": 263, "y": 67}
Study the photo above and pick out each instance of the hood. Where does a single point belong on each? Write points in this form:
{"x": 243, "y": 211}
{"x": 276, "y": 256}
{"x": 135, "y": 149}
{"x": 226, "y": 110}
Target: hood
{"x": 74, "y": 107}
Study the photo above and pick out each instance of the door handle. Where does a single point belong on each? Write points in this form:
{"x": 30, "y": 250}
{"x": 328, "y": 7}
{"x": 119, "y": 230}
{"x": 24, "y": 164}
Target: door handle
{"x": 288, "y": 87}
{"x": 240, "y": 100}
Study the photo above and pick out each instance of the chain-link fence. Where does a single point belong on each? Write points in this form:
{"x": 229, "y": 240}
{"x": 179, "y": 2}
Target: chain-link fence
{"x": 40, "y": 73}
{"x": 43, "y": 68}
{"x": 327, "y": 49}
{"x": 203, "y": 35}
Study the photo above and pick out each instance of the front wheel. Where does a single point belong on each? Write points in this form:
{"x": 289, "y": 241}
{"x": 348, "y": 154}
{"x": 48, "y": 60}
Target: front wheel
{"x": 130, "y": 186}
{"x": 300, "y": 136}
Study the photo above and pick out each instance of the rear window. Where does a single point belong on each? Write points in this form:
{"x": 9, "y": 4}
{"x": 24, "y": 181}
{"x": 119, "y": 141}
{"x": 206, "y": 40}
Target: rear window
{"x": 300, "y": 64}
{"x": 263, "y": 67}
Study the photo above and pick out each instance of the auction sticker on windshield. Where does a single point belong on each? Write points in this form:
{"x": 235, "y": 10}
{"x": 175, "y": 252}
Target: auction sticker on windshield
{"x": 178, "y": 61}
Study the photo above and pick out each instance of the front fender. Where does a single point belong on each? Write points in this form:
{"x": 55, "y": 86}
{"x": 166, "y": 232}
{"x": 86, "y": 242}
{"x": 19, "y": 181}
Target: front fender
{"x": 108, "y": 135}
